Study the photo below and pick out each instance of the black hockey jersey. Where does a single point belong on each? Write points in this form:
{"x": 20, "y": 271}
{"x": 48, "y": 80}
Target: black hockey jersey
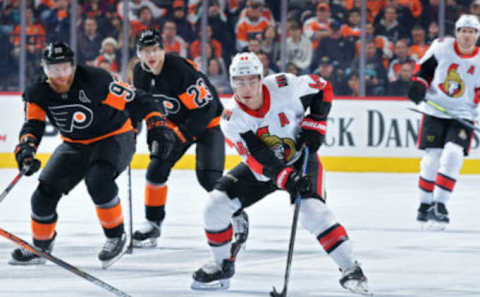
{"x": 95, "y": 107}
{"x": 189, "y": 99}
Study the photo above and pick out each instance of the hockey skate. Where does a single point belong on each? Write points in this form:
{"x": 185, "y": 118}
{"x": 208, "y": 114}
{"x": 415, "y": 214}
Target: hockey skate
{"x": 424, "y": 214}
{"x": 22, "y": 256}
{"x": 147, "y": 235}
{"x": 439, "y": 217}
{"x": 240, "y": 229}
{"x": 113, "y": 250}
{"x": 214, "y": 277}
{"x": 355, "y": 281}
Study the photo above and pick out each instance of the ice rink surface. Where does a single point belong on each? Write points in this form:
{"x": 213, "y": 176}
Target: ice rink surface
{"x": 378, "y": 211}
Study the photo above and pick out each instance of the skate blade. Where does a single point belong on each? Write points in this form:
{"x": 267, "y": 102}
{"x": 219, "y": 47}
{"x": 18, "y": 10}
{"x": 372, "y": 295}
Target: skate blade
{"x": 37, "y": 261}
{"x": 356, "y": 287}
{"x": 106, "y": 264}
{"x": 222, "y": 284}
{"x": 437, "y": 226}
{"x": 148, "y": 243}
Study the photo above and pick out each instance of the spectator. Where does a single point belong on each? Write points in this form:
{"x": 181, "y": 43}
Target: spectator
{"x": 252, "y": 20}
{"x": 432, "y": 34}
{"x": 352, "y": 28}
{"x": 318, "y": 27}
{"x": 253, "y": 46}
{"x": 57, "y": 22}
{"x": 179, "y": 16}
{"x": 337, "y": 11}
{"x": 267, "y": 66}
{"x": 430, "y": 14}
{"x": 196, "y": 46}
{"x": 173, "y": 43}
{"x": 270, "y": 44}
{"x": 375, "y": 73}
{"x": 145, "y": 20}
{"x": 400, "y": 86}
{"x": 299, "y": 48}
{"x": 475, "y": 8}
{"x": 327, "y": 71}
{"x": 383, "y": 45}
{"x": 218, "y": 77}
{"x": 108, "y": 52}
{"x": 7, "y": 68}
{"x": 419, "y": 45}
{"x": 401, "y": 57}
{"x": 352, "y": 87}
{"x": 89, "y": 42}
{"x": 221, "y": 29}
{"x": 96, "y": 8}
{"x": 135, "y": 6}
{"x": 389, "y": 26}
{"x": 341, "y": 50}
{"x": 374, "y": 7}
{"x": 293, "y": 69}
{"x": 407, "y": 13}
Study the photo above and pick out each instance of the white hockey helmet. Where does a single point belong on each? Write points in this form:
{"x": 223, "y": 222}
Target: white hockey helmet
{"x": 245, "y": 64}
{"x": 467, "y": 21}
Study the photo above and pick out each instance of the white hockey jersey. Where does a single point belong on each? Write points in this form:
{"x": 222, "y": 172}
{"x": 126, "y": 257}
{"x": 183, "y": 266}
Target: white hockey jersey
{"x": 276, "y": 123}
{"x": 455, "y": 80}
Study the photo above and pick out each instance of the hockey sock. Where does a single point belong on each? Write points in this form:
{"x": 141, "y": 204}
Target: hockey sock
{"x": 155, "y": 200}
{"x": 43, "y": 228}
{"x": 428, "y": 169}
{"x": 450, "y": 164}
{"x": 220, "y": 243}
{"x": 111, "y": 217}
{"x": 335, "y": 242}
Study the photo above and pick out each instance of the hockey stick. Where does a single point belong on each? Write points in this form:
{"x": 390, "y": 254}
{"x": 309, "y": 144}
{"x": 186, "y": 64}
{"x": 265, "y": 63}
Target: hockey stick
{"x": 63, "y": 264}
{"x": 445, "y": 111}
{"x": 130, "y": 211}
{"x": 12, "y": 184}
{"x": 298, "y": 201}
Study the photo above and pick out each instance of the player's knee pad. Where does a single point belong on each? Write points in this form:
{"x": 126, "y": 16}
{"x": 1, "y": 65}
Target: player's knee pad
{"x": 208, "y": 178}
{"x": 452, "y": 158}
{"x": 158, "y": 171}
{"x": 218, "y": 210}
{"x": 315, "y": 216}
{"x": 100, "y": 182}
{"x": 430, "y": 163}
{"x": 44, "y": 200}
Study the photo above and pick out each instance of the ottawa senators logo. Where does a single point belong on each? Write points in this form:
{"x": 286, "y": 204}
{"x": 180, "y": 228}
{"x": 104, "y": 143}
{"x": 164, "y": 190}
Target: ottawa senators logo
{"x": 453, "y": 85}
{"x": 284, "y": 148}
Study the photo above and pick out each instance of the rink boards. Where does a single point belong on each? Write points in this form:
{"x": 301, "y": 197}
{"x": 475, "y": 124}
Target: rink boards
{"x": 369, "y": 134}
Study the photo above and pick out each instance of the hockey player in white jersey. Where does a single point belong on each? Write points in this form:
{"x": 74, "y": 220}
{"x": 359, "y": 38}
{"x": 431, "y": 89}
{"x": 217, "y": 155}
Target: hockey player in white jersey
{"x": 448, "y": 75}
{"x": 270, "y": 120}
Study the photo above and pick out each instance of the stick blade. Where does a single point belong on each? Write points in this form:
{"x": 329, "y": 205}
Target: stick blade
{"x": 274, "y": 293}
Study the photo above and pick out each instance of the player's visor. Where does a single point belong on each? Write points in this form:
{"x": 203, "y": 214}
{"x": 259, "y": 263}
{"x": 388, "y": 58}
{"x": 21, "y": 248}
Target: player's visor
{"x": 245, "y": 81}
{"x": 58, "y": 70}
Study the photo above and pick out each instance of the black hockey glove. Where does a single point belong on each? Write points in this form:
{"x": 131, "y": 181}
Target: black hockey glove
{"x": 162, "y": 142}
{"x": 312, "y": 133}
{"x": 291, "y": 180}
{"x": 417, "y": 91}
{"x": 25, "y": 156}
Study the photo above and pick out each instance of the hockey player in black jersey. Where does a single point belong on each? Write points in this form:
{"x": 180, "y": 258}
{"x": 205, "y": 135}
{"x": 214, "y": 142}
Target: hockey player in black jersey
{"x": 90, "y": 110}
{"x": 193, "y": 111}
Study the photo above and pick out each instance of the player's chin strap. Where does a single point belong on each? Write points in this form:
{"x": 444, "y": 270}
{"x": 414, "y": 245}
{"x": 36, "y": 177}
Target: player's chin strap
{"x": 446, "y": 112}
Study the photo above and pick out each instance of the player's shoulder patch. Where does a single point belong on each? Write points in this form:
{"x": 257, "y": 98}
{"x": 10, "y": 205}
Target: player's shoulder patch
{"x": 281, "y": 80}
{"x": 227, "y": 114}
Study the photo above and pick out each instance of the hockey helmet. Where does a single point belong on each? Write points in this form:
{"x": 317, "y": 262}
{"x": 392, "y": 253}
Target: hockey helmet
{"x": 57, "y": 52}
{"x": 468, "y": 21}
{"x": 148, "y": 37}
{"x": 245, "y": 64}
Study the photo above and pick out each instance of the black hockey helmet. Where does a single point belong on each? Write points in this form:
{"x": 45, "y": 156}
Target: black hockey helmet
{"x": 148, "y": 37}
{"x": 57, "y": 52}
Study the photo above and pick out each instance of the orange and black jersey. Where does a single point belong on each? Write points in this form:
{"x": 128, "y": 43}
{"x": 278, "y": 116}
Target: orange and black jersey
{"x": 189, "y": 99}
{"x": 96, "y": 107}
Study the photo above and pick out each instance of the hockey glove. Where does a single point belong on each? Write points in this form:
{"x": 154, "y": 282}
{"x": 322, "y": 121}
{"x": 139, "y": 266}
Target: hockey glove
{"x": 25, "y": 156}
{"x": 417, "y": 91}
{"x": 162, "y": 142}
{"x": 291, "y": 180}
{"x": 313, "y": 132}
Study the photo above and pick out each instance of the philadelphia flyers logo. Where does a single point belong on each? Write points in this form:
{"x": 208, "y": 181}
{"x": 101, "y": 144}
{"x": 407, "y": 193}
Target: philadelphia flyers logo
{"x": 70, "y": 117}
{"x": 170, "y": 104}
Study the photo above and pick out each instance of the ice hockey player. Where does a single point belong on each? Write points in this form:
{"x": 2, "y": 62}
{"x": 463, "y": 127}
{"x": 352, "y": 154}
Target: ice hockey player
{"x": 193, "y": 110}
{"x": 448, "y": 75}
{"x": 91, "y": 111}
{"x": 268, "y": 123}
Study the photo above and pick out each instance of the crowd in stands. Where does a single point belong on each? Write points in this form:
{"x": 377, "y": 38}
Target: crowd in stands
{"x": 322, "y": 36}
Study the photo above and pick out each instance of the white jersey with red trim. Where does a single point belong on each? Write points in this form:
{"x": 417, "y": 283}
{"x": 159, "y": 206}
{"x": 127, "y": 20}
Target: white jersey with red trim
{"x": 455, "y": 80}
{"x": 276, "y": 123}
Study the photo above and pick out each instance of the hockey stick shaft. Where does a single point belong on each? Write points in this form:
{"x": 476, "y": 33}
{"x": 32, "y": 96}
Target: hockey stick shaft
{"x": 130, "y": 211}
{"x": 11, "y": 185}
{"x": 63, "y": 264}
{"x": 293, "y": 232}
{"x": 445, "y": 111}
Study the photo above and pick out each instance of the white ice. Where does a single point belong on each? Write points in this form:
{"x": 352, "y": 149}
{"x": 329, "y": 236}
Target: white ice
{"x": 378, "y": 211}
